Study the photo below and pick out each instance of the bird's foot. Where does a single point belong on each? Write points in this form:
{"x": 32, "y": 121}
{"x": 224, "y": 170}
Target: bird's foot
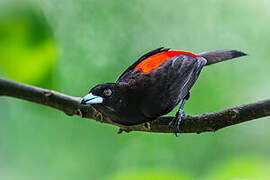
{"x": 175, "y": 123}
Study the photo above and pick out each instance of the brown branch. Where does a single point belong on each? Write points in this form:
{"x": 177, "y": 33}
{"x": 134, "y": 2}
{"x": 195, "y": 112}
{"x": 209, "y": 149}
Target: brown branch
{"x": 190, "y": 124}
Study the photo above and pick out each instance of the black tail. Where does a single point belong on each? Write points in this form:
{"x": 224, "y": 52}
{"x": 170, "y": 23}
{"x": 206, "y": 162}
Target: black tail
{"x": 213, "y": 57}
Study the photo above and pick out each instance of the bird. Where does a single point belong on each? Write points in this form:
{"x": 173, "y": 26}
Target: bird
{"x": 153, "y": 86}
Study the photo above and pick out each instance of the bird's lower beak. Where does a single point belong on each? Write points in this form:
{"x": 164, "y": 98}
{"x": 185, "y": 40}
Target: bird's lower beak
{"x": 91, "y": 99}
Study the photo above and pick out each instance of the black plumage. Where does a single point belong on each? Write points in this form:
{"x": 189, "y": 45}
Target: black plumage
{"x": 137, "y": 97}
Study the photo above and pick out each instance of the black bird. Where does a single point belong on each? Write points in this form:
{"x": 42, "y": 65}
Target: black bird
{"x": 153, "y": 86}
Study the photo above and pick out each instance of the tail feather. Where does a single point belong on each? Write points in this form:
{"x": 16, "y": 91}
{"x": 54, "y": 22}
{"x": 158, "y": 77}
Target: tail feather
{"x": 213, "y": 57}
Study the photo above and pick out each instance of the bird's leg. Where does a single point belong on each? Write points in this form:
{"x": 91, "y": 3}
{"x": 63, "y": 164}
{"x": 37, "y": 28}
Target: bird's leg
{"x": 178, "y": 117}
{"x": 180, "y": 113}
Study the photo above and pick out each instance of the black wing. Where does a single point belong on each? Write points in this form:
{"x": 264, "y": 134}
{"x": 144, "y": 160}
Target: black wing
{"x": 125, "y": 74}
{"x": 170, "y": 83}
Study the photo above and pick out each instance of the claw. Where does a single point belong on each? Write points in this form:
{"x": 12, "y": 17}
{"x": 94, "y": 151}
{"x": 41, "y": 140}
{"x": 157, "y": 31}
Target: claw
{"x": 175, "y": 123}
{"x": 180, "y": 114}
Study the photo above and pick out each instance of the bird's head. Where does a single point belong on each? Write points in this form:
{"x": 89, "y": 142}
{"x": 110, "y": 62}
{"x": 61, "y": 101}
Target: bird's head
{"x": 111, "y": 96}
{"x": 101, "y": 94}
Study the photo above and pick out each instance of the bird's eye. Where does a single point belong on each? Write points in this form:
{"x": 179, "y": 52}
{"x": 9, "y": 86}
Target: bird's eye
{"x": 107, "y": 92}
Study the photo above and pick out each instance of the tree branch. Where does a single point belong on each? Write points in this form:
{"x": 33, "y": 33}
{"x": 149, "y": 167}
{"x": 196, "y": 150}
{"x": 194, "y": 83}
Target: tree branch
{"x": 190, "y": 124}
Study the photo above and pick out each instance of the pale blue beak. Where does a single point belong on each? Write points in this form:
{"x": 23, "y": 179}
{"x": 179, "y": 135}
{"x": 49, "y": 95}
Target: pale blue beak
{"x": 91, "y": 99}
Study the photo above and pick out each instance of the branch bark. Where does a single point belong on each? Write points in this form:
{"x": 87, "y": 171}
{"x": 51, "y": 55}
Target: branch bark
{"x": 190, "y": 124}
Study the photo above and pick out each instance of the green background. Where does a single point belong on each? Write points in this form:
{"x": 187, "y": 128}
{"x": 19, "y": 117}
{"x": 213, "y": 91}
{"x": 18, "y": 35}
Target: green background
{"x": 72, "y": 45}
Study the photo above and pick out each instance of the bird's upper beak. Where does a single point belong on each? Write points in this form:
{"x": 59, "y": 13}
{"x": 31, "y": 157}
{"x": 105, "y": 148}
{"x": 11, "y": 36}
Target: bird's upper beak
{"x": 91, "y": 99}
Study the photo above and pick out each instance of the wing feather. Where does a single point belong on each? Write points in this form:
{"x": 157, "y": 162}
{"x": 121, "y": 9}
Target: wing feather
{"x": 126, "y": 73}
{"x": 170, "y": 83}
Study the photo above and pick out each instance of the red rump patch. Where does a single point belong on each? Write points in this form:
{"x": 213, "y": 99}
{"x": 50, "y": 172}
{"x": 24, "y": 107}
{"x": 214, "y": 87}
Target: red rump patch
{"x": 153, "y": 62}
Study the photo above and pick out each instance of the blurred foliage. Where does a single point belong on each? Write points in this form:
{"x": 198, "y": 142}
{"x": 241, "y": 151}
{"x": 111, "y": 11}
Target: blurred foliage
{"x": 246, "y": 167}
{"x": 70, "y": 46}
{"x": 27, "y": 46}
{"x": 150, "y": 175}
